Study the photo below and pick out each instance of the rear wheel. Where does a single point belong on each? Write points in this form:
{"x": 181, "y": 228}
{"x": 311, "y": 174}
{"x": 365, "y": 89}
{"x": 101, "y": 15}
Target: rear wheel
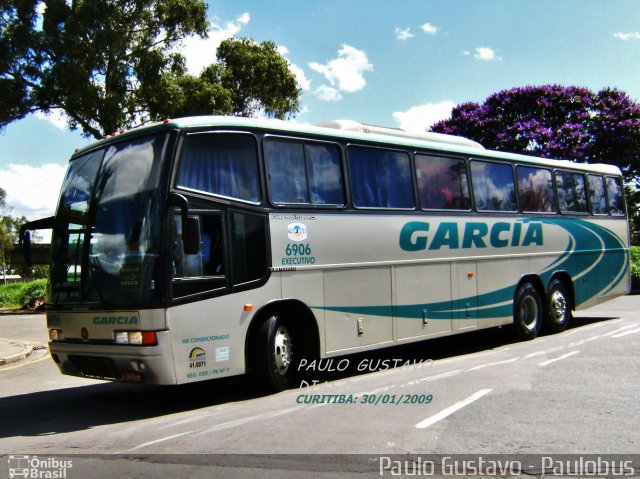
{"x": 274, "y": 361}
{"x": 558, "y": 312}
{"x": 527, "y": 312}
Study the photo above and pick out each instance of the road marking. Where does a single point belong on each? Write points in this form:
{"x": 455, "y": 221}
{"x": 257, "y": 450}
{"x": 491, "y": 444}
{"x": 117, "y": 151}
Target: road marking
{"x": 441, "y": 376}
{"x": 150, "y": 443}
{"x": 451, "y": 409}
{"x": 620, "y": 329}
{"x": 559, "y": 358}
{"x": 537, "y": 353}
{"x": 633, "y": 331}
{"x": 496, "y": 363}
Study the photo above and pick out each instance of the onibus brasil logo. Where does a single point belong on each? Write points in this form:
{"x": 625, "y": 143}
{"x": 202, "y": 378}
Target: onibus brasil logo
{"x": 41, "y": 468}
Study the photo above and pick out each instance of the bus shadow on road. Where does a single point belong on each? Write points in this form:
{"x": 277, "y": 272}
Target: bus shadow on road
{"x": 58, "y": 411}
{"x": 422, "y": 353}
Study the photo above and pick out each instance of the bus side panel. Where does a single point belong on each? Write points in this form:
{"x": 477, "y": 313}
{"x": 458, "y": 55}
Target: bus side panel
{"x": 307, "y": 287}
{"x": 602, "y": 261}
{"x": 208, "y": 336}
{"x": 422, "y": 301}
{"x": 497, "y": 282}
{"x": 364, "y": 321}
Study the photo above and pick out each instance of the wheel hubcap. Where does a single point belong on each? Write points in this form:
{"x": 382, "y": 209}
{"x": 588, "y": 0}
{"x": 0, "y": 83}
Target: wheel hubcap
{"x": 282, "y": 349}
{"x": 558, "y": 307}
{"x": 529, "y": 312}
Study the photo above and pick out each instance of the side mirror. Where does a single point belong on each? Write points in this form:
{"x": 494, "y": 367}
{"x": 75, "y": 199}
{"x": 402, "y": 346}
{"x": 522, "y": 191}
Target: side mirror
{"x": 191, "y": 236}
{"x": 25, "y": 247}
{"x": 25, "y": 236}
{"x": 190, "y": 226}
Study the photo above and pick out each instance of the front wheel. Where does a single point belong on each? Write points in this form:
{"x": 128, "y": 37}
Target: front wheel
{"x": 527, "y": 312}
{"x": 558, "y": 313}
{"x": 274, "y": 362}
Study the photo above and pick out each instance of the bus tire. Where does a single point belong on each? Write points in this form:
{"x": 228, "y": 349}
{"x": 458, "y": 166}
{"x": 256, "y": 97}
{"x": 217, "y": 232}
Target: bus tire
{"x": 527, "y": 312}
{"x": 558, "y": 310}
{"x": 274, "y": 363}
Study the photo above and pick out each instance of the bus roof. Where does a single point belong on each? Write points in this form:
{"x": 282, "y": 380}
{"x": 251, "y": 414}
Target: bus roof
{"x": 352, "y": 130}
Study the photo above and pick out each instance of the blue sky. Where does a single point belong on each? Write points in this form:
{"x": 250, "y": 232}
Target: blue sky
{"x": 395, "y": 63}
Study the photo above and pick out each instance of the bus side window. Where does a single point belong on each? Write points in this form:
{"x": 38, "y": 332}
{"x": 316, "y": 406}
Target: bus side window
{"x": 287, "y": 172}
{"x": 442, "y": 183}
{"x": 615, "y": 196}
{"x": 203, "y": 271}
{"x": 304, "y": 173}
{"x": 380, "y": 178}
{"x": 493, "y": 186}
{"x": 597, "y": 195}
{"x": 248, "y": 246}
{"x": 572, "y": 192}
{"x": 325, "y": 174}
{"x": 535, "y": 189}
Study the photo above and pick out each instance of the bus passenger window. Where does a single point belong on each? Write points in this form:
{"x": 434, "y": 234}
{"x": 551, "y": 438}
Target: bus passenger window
{"x": 535, "y": 190}
{"x": 597, "y": 195}
{"x": 442, "y": 183}
{"x": 287, "y": 172}
{"x": 572, "y": 192}
{"x": 615, "y": 195}
{"x": 224, "y": 164}
{"x": 325, "y": 174}
{"x": 304, "y": 173}
{"x": 493, "y": 186}
{"x": 380, "y": 178}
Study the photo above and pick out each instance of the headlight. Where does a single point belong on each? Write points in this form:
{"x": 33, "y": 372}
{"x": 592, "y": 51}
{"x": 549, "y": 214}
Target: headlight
{"x": 56, "y": 335}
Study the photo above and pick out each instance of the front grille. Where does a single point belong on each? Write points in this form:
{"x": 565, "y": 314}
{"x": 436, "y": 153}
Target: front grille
{"x": 103, "y": 368}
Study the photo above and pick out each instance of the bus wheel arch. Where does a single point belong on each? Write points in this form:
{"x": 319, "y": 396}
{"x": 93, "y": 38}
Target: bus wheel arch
{"x": 559, "y": 302}
{"x": 528, "y": 308}
{"x": 279, "y": 336}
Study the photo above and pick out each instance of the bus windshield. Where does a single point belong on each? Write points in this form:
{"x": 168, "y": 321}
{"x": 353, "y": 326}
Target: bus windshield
{"x": 107, "y": 239}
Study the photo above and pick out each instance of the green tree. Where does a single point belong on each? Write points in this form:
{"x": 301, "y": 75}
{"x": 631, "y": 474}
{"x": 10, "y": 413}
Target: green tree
{"x": 112, "y": 64}
{"x": 85, "y": 56}
{"x": 6, "y": 240}
{"x": 248, "y": 79}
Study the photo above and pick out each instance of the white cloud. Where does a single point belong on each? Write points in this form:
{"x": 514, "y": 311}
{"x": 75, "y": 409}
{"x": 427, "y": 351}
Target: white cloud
{"x": 300, "y": 75}
{"x": 56, "y": 117}
{"x": 298, "y": 72}
{"x": 345, "y": 73}
{"x": 420, "y": 118}
{"x": 627, "y": 36}
{"x": 428, "y": 28}
{"x": 200, "y": 52}
{"x": 403, "y": 34}
{"x": 327, "y": 93}
{"x": 32, "y": 191}
{"x": 486, "y": 54}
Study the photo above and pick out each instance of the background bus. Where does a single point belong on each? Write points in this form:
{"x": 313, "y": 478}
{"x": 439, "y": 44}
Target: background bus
{"x": 208, "y": 247}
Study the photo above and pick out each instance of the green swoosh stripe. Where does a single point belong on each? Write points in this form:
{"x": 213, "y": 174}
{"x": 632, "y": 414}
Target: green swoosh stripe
{"x": 594, "y": 256}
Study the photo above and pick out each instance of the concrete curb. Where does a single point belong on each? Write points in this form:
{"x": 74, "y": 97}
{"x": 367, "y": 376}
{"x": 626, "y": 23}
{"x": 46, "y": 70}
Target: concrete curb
{"x": 25, "y": 353}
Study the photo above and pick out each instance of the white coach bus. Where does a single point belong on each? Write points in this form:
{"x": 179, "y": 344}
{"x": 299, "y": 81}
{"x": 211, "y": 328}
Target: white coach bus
{"x": 207, "y": 247}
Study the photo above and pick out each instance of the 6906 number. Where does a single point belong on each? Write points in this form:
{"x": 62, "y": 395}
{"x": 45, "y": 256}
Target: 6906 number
{"x": 298, "y": 249}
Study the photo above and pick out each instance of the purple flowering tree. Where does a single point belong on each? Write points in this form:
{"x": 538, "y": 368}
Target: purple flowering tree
{"x": 552, "y": 121}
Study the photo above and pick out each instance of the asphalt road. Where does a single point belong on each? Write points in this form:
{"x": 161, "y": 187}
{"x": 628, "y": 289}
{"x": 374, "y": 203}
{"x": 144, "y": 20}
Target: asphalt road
{"x": 479, "y": 393}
